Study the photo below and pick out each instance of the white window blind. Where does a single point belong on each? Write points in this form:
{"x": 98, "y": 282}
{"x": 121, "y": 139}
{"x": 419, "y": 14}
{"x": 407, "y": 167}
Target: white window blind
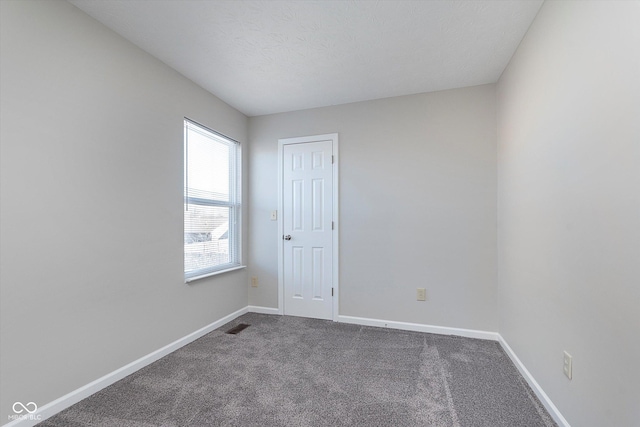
{"x": 212, "y": 202}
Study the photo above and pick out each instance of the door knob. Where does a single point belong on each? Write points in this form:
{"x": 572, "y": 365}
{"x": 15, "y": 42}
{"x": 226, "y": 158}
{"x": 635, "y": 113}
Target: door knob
{"x": 287, "y": 237}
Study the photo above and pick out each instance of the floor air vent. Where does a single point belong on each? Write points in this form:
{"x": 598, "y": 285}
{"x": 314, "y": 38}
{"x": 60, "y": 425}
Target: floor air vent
{"x": 237, "y": 329}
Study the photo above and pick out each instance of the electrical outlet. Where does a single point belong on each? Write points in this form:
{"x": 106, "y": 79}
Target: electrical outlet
{"x": 254, "y": 282}
{"x": 274, "y": 215}
{"x": 567, "y": 362}
{"x": 421, "y": 294}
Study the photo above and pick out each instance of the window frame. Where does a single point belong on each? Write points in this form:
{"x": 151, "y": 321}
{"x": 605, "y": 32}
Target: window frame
{"x": 234, "y": 203}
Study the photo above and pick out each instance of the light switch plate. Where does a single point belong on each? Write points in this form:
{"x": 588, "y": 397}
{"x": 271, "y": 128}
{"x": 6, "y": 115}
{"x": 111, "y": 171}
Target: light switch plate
{"x": 274, "y": 215}
{"x": 567, "y": 365}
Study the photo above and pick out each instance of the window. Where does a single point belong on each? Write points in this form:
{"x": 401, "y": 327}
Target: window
{"x": 212, "y": 202}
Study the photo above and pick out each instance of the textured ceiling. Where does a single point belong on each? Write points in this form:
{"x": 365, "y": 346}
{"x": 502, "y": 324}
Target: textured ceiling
{"x": 265, "y": 57}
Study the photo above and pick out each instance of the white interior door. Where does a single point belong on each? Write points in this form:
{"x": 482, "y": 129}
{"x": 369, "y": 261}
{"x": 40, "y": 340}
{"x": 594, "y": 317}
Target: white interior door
{"x": 307, "y": 219}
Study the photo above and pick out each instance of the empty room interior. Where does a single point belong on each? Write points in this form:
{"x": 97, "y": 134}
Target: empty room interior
{"x": 306, "y": 213}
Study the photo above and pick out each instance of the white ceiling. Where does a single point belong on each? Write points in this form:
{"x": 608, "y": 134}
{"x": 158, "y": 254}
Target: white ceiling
{"x": 265, "y": 57}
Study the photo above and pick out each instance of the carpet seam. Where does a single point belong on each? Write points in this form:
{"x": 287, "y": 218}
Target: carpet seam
{"x": 452, "y": 410}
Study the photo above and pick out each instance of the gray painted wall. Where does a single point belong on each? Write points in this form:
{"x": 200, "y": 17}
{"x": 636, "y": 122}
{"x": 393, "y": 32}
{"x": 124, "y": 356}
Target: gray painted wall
{"x": 569, "y": 207}
{"x": 91, "y": 212}
{"x": 417, "y": 205}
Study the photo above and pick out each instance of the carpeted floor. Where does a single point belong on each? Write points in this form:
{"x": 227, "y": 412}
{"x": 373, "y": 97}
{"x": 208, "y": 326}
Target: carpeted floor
{"x": 290, "y": 371}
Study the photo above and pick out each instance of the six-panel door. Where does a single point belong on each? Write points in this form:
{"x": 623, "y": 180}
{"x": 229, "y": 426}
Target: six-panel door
{"x": 307, "y": 218}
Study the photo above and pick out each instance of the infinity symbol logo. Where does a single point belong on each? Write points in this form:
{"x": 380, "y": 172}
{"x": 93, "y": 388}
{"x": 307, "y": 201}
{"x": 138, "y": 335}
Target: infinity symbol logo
{"x": 22, "y": 407}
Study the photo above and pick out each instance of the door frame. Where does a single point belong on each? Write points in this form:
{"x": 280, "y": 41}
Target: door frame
{"x": 333, "y": 137}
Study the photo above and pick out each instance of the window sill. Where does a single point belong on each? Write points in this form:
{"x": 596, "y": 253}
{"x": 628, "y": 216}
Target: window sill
{"x": 214, "y": 273}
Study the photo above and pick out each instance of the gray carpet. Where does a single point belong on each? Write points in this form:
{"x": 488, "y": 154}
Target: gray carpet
{"x": 290, "y": 371}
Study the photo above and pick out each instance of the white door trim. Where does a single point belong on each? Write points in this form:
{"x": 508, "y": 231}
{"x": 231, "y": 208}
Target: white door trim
{"x": 333, "y": 137}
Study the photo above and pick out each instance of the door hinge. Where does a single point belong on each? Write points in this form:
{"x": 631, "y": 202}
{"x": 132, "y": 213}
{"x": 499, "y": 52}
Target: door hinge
{"x": 333, "y": 160}
{"x": 332, "y": 225}
{"x": 331, "y": 291}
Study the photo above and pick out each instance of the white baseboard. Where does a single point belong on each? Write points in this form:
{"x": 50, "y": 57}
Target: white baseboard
{"x": 52, "y": 408}
{"x": 263, "y": 310}
{"x": 542, "y": 396}
{"x": 419, "y": 327}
